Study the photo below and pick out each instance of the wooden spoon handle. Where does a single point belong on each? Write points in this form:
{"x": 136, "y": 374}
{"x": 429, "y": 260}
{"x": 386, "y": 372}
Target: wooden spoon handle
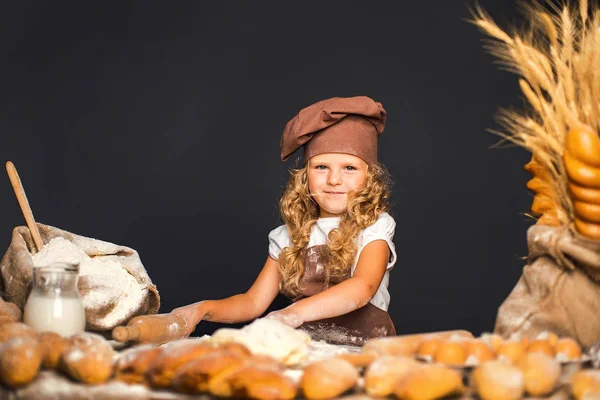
{"x": 24, "y": 204}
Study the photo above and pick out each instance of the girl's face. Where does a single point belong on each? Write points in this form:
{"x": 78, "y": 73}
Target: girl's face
{"x": 331, "y": 176}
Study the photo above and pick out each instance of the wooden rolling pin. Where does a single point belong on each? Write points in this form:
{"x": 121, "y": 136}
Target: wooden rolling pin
{"x": 157, "y": 329}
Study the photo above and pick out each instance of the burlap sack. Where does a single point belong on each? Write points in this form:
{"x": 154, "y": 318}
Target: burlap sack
{"x": 110, "y": 299}
{"x": 559, "y": 289}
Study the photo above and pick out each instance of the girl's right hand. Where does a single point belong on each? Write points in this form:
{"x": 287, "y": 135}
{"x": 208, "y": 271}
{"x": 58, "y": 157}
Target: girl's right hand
{"x": 192, "y": 314}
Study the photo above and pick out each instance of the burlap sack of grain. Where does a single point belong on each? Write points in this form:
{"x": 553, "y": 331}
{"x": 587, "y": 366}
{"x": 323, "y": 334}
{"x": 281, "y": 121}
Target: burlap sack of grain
{"x": 113, "y": 283}
{"x": 559, "y": 289}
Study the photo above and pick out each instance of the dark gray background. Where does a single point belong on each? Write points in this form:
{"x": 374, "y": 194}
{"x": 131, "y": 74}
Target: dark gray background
{"x": 156, "y": 125}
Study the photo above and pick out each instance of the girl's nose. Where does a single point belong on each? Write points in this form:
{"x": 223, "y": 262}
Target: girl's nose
{"x": 334, "y": 178}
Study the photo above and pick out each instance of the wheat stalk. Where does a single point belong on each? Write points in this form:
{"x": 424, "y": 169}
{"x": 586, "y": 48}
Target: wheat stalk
{"x": 558, "y": 60}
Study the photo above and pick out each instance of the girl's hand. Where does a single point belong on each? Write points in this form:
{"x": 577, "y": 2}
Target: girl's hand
{"x": 192, "y": 315}
{"x": 288, "y": 316}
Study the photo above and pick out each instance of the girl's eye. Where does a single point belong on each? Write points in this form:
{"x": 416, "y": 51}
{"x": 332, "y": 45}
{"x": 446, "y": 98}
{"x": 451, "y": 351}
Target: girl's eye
{"x": 351, "y": 168}
{"x": 320, "y": 167}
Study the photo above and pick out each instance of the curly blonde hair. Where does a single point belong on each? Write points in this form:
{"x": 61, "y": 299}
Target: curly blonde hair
{"x": 300, "y": 212}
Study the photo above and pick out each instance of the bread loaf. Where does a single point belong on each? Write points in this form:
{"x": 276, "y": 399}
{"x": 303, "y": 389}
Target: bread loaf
{"x": 20, "y": 361}
{"x": 233, "y": 382}
{"x": 134, "y": 362}
{"x": 89, "y": 359}
{"x": 194, "y": 377}
{"x": 254, "y": 382}
{"x": 172, "y": 356}
{"x": 582, "y": 164}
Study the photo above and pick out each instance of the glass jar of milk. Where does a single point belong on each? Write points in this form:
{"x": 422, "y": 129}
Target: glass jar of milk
{"x": 54, "y": 303}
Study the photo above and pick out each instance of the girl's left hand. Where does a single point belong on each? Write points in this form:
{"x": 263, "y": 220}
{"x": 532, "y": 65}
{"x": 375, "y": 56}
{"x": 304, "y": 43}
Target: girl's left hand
{"x": 288, "y": 316}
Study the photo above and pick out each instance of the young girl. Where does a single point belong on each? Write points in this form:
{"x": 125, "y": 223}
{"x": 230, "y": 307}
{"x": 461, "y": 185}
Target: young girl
{"x": 333, "y": 255}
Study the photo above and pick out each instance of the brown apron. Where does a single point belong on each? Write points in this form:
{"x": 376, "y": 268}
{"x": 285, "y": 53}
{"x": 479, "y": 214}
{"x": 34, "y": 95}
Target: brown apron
{"x": 353, "y": 328}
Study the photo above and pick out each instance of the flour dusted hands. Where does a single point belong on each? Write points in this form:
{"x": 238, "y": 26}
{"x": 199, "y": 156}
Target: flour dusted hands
{"x": 192, "y": 314}
{"x": 287, "y": 316}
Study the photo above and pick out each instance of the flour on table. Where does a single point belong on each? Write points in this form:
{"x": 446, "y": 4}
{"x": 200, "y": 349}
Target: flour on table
{"x": 320, "y": 350}
{"x": 110, "y": 290}
{"x": 267, "y": 336}
{"x": 49, "y": 385}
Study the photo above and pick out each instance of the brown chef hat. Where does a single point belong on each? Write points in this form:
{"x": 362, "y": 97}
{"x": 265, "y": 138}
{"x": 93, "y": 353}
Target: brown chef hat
{"x": 337, "y": 125}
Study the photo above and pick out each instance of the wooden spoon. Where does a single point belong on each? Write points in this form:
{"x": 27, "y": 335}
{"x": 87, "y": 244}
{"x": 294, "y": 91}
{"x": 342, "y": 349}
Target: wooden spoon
{"x": 24, "y": 203}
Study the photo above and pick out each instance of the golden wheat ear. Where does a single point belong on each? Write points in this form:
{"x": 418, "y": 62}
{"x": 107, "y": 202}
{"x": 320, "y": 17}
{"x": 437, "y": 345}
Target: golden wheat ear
{"x": 582, "y": 163}
{"x": 545, "y": 201}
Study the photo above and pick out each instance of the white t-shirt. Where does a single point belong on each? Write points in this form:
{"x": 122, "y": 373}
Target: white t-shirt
{"x": 382, "y": 229}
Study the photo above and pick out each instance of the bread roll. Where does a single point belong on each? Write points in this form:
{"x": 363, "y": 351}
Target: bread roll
{"x": 359, "y": 360}
{"x": 567, "y": 349}
{"x": 429, "y": 382}
{"x": 585, "y": 384}
{"x": 328, "y": 378}
{"x": 479, "y": 351}
{"x": 541, "y": 373}
{"x": 16, "y": 329}
{"x": 383, "y": 375}
{"x": 541, "y": 346}
{"x": 551, "y": 337}
{"x": 451, "y": 353}
{"x": 88, "y": 340}
{"x": 10, "y": 311}
{"x": 89, "y": 359}
{"x": 497, "y": 380}
{"x": 52, "y": 346}
{"x": 510, "y": 350}
{"x": 493, "y": 340}
{"x": 172, "y": 356}
{"x": 20, "y": 361}
{"x": 429, "y": 347}
{"x": 134, "y": 362}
